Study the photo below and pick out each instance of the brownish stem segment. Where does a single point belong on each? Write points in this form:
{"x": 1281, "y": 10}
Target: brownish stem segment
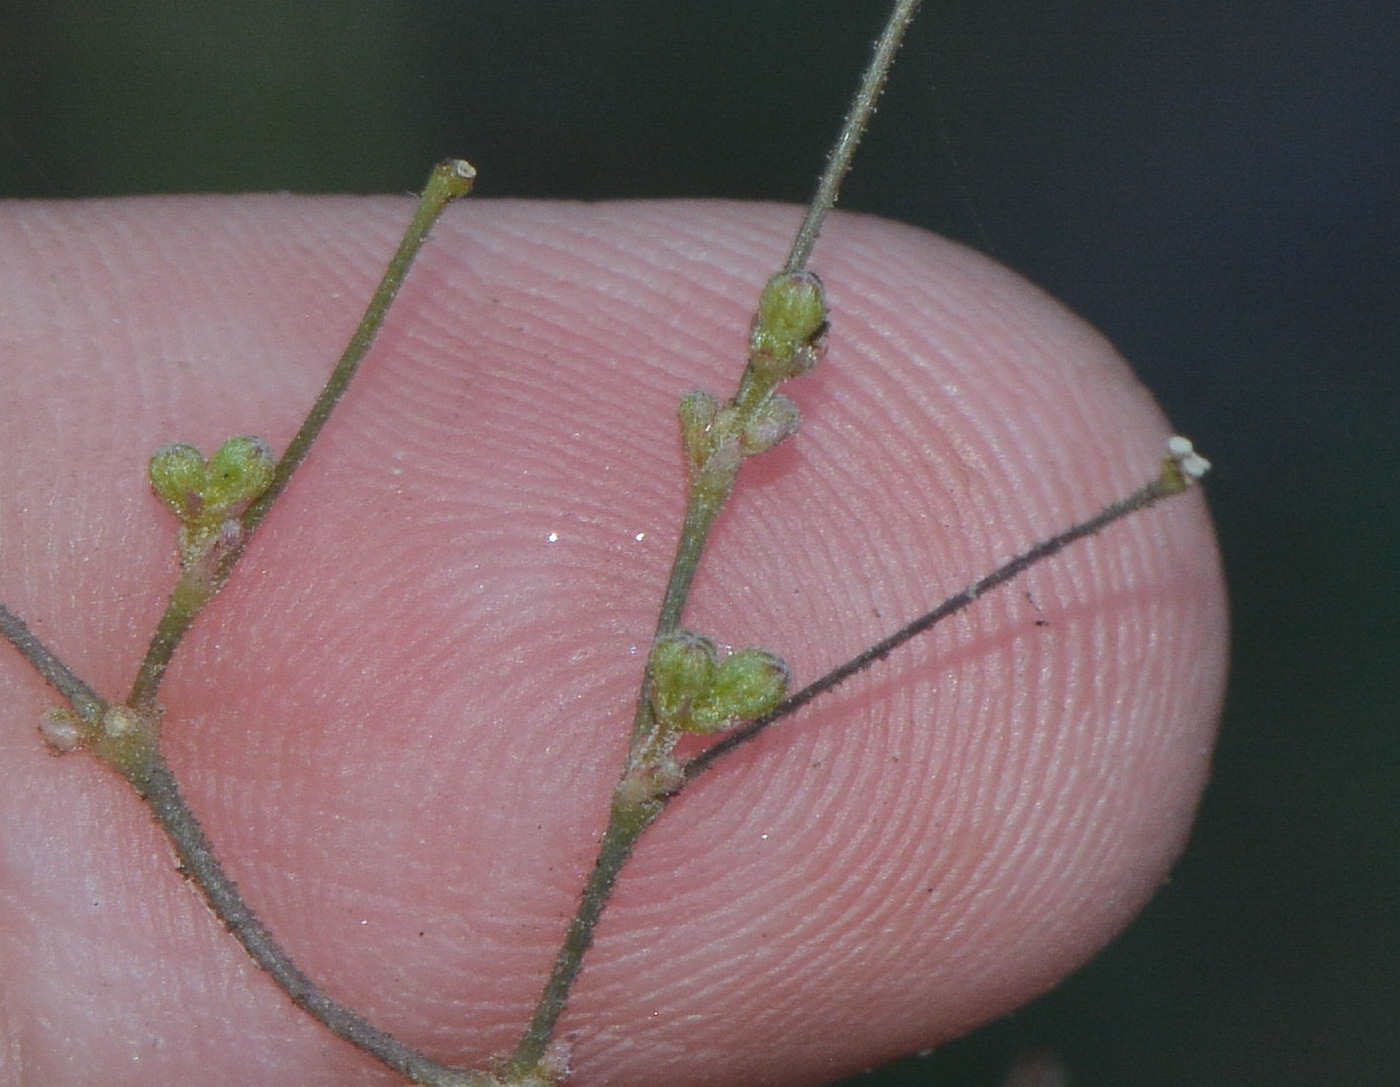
{"x": 626, "y": 822}
{"x": 86, "y": 702}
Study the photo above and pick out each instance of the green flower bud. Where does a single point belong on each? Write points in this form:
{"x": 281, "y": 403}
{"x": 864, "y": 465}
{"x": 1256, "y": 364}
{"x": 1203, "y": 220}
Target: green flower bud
{"x": 202, "y": 493}
{"x": 683, "y": 666}
{"x": 697, "y": 414}
{"x": 239, "y": 472}
{"x": 747, "y": 685}
{"x": 178, "y": 476}
{"x": 785, "y": 340}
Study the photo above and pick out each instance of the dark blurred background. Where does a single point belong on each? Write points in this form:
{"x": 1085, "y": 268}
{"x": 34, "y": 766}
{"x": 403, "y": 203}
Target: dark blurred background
{"x": 1214, "y": 184}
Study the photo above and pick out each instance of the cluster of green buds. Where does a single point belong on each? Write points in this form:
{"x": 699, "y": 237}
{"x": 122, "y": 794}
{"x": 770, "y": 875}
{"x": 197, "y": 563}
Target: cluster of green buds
{"x": 693, "y": 689}
{"x": 208, "y": 495}
{"x": 786, "y": 341}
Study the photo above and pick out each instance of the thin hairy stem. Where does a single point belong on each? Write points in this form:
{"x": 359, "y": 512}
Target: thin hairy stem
{"x": 626, "y": 823}
{"x": 198, "y": 863}
{"x": 450, "y": 180}
{"x": 1171, "y": 481}
{"x": 838, "y": 161}
{"x": 86, "y": 702}
{"x": 704, "y": 505}
{"x": 700, "y": 516}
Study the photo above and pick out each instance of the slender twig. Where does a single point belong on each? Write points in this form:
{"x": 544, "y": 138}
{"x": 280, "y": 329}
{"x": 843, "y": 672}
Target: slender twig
{"x": 86, "y": 702}
{"x": 127, "y": 736}
{"x": 838, "y": 161}
{"x": 648, "y": 783}
{"x": 701, "y": 515}
{"x": 450, "y": 180}
{"x": 625, "y": 826}
{"x": 1171, "y": 481}
{"x": 198, "y": 863}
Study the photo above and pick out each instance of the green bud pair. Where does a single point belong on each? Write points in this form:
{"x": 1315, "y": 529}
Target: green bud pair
{"x": 205, "y": 494}
{"x": 200, "y": 491}
{"x": 693, "y": 690}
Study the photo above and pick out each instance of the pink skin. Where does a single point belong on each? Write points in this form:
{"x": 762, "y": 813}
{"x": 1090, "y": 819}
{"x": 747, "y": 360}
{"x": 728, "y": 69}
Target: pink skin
{"x": 401, "y": 720}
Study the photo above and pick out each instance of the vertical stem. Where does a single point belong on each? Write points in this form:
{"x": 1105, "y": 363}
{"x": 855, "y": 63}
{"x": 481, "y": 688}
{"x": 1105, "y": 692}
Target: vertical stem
{"x": 706, "y": 500}
{"x": 710, "y": 487}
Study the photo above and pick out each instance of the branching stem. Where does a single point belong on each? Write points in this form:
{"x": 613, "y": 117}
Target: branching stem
{"x": 449, "y": 180}
{"x": 785, "y": 342}
{"x": 711, "y": 482}
{"x": 127, "y": 736}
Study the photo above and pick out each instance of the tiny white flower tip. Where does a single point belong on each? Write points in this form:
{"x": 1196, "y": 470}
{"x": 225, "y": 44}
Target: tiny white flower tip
{"x": 1191, "y": 463}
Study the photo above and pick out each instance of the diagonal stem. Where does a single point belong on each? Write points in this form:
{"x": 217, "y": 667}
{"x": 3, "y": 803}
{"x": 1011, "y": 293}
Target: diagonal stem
{"x": 838, "y": 161}
{"x": 449, "y": 180}
{"x": 1170, "y": 482}
{"x": 86, "y": 702}
{"x": 158, "y": 788}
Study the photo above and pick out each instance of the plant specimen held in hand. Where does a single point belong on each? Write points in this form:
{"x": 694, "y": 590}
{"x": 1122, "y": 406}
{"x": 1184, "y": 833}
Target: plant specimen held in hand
{"x": 906, "y": 447}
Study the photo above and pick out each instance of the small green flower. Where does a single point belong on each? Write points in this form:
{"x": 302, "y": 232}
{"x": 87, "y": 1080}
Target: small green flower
{"x": 747, "y": 685}
{"x": 207, "y": 496}
{"x": 179, "y": 476}
{"x": 683, "y": 667}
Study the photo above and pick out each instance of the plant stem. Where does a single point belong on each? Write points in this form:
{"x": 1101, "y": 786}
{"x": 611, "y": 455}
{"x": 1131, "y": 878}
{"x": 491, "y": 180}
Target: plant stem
{"x": 1168, "y": 483}
{"x": 838, "y": 161}
{"x": 86, "y": 702}
{"x": 704, "y": 506}
{"x": 626, "y": 822}
{"x": 448, "y": 181}
{"x": 158, "y": 788}
{"x": 629, "y": 819}
{"x": 709, "y": 488}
